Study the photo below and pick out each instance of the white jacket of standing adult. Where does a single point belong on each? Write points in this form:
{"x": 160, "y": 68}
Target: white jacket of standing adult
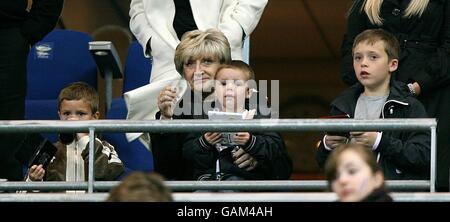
{"x": 153, "y": 20}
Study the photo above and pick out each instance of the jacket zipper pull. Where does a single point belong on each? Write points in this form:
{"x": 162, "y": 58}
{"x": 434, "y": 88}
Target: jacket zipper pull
{"x": 391, "y": 110}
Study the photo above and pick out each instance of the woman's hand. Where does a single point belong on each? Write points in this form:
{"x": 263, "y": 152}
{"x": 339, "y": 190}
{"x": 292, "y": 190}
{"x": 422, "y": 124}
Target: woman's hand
{"x": 166, "y": 101}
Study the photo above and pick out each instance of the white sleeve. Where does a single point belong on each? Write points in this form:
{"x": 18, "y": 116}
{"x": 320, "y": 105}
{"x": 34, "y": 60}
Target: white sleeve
{"x": 238, "y": 19}
{"x": 248, "y": 13}
{"x": 139, "y": 25}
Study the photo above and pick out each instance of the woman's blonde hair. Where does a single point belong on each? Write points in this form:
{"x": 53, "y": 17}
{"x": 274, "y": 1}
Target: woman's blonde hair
{"x": 197, "y": 44}
{"x": 372, "y": 9}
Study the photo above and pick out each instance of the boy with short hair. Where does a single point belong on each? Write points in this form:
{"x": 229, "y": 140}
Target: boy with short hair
{"x": 214, "y": 159}
{"x": 401, "y": 154}
{"x": 79, "y": 101}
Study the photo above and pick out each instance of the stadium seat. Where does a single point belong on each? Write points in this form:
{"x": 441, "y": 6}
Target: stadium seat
{"x": 137, "y": 68}
{"x": 135, "y": 155}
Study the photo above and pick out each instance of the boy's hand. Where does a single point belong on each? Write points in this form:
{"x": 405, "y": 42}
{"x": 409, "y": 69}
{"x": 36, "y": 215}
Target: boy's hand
{"x": 244, "y": 160}
{"x": 81, "y": 135}
{"x": 36, "y": 173}
{"x": 166, "y": 101}
{"x": 213, "y": 138}
{"x": 241, "y": 138}
{"x": 334, "y": 141}
{"x": 417, "y": 88}
{"x": 364, "y": 138}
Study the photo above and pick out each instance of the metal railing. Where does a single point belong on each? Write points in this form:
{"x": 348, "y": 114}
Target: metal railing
{"x": 223, "y": 197}
{"x": 260, "y": 125}
{"x": 261, "y": 185}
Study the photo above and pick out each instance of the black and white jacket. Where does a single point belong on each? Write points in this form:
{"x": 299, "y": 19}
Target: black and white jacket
{"x": 180, "y": 156}
{"x": 267, "y": 148}
{"x": 401, "y": 154}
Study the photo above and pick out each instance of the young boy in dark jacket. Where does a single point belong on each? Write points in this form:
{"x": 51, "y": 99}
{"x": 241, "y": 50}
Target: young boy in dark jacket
{"x": 214, "y": 159}
{"x": 401, "y": 154}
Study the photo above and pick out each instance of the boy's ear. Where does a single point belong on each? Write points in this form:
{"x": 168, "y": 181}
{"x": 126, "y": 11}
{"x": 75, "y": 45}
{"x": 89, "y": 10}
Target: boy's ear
{"x": 393, "y": 65}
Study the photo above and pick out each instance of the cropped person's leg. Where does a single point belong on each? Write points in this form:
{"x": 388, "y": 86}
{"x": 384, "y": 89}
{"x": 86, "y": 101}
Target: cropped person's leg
{"x": 443, "y": 141}
{"x": 13, "y": 57}
{"x": 437, "y": 104}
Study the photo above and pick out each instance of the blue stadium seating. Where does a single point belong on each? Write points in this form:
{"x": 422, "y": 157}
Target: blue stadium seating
{"x": 135, "y": 155}
{"x": 137, "y": 68}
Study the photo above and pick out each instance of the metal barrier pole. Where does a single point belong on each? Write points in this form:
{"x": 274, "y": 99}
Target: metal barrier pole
{"x": 108, "y": 88}
{"x": 91, "y": 160}
{"x": 246, "y": 50}
{"x": 247, "y": 185}
{"x": 197, "y": 125}
{"x": 47, "y": 185}
{"x": 246, "y": 197}
{"x": 433, "y": 160}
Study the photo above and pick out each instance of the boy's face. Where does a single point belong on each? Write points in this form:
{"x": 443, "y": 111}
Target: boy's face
{"x": 76, "y": 110}
{"x": 372, "y": 66}
{"x": 200, "y": 73}
{"x": 231, "y": 89}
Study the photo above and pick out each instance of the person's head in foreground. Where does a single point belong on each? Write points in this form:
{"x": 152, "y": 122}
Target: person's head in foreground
{"x": 353, "y": 174}
{"x": 141, "y": 187}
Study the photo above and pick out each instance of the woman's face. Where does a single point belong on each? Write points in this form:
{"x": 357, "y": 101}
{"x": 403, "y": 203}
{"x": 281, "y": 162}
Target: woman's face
{"x": 354, "y": 179}
{"x": 200, "y": 73}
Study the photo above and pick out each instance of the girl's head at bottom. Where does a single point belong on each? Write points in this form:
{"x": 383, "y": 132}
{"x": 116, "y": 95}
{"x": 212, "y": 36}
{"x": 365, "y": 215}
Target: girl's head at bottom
{"x": 353, "y": 173}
